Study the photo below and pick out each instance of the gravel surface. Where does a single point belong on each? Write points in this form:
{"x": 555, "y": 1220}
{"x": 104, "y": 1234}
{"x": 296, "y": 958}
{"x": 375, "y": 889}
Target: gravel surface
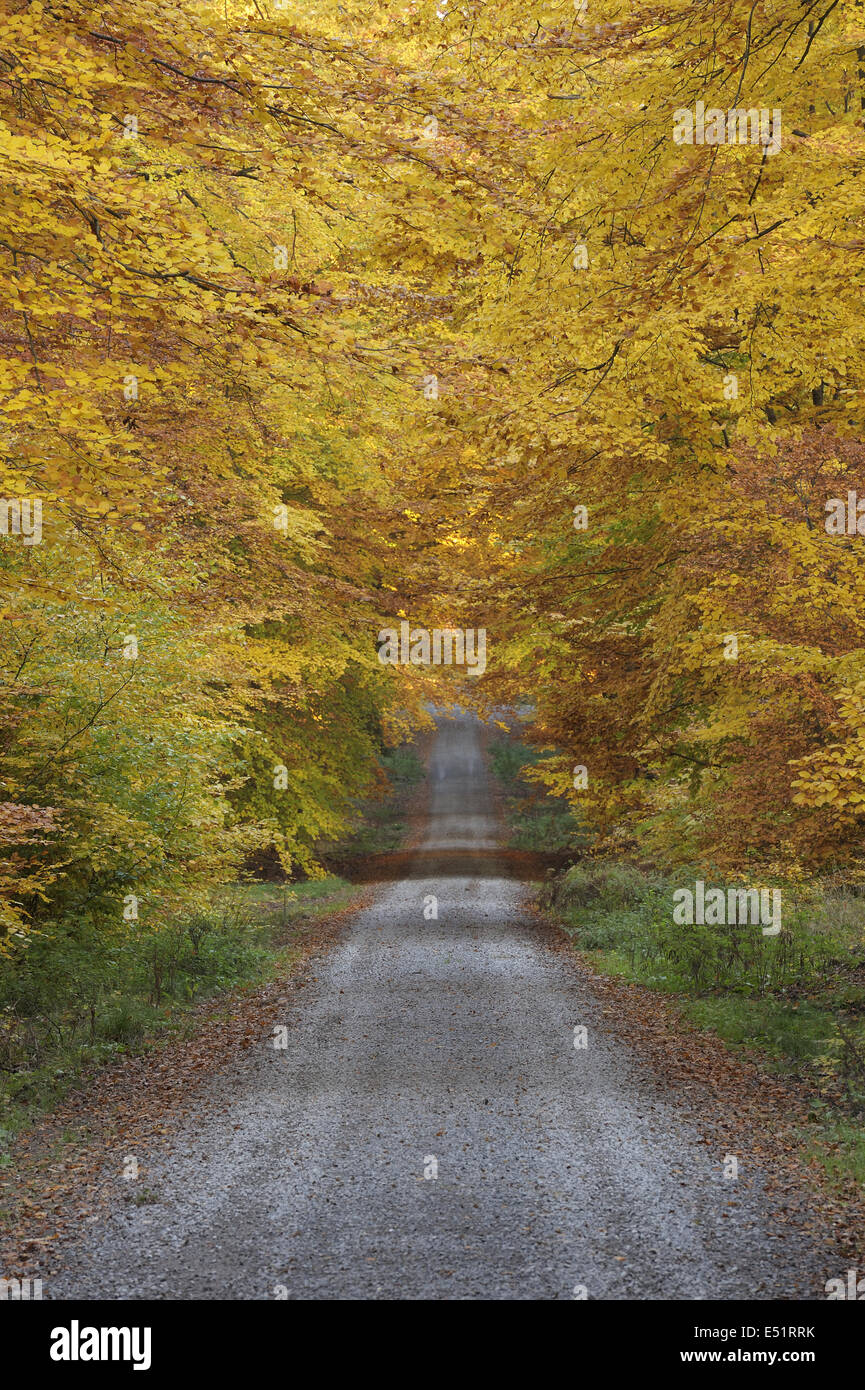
{"x": 442, "y": 1045}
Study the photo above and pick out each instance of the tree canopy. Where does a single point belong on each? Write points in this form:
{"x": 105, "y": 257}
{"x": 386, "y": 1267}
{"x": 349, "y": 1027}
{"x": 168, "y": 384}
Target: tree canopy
{"x": 317, "y": 318}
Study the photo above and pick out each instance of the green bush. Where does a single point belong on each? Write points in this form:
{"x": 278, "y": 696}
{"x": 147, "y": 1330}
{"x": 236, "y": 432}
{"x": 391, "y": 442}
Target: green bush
{"x": 539, "y": 822}
{"x": 80, "y": 992}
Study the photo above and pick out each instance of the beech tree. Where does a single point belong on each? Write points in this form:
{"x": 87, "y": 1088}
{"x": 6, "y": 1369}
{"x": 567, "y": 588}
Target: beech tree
{"x": 317, "y": 320}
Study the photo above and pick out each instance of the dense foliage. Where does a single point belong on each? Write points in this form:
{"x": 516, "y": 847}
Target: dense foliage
{"x": 314, "y": 318}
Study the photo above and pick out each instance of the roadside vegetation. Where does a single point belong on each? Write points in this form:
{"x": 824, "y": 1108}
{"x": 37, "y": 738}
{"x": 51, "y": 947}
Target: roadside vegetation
{"x": 796, "y": 999}
{"x": 73, "y": 999}
{"x": 538, "y": 820}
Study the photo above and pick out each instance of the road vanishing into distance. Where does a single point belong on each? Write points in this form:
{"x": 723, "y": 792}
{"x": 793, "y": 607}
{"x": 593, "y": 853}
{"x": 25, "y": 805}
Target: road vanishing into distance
{"x": 430, "y": 1130}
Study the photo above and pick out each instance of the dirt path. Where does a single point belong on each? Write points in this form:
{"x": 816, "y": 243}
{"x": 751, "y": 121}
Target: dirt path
{"x": 429, "y": 1129}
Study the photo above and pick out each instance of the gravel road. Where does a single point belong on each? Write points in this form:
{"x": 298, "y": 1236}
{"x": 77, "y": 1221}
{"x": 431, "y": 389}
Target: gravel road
{"x": 430, "y": 1130}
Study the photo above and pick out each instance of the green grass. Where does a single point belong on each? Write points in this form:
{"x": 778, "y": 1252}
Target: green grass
{"x": 839, "y": 1146}
{"x": 794, "y": 1034}
{"x": 285, "y": 903}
